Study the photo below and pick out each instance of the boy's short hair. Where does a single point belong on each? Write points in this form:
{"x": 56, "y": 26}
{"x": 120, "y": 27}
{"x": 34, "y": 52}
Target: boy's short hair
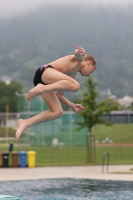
{"x": 88, "y": 57}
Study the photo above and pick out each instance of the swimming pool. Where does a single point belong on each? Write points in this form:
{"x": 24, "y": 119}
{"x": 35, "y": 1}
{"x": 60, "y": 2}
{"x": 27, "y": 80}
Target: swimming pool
{"x": 68, "y": 189}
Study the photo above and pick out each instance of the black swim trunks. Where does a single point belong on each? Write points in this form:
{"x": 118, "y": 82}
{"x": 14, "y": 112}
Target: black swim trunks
{"x": 37, "y": 78}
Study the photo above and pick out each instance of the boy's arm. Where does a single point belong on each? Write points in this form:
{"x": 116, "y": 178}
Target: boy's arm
{"x": 76, "y": 107}
{"x": 64, "y": 100}
{"x": 79, "y": 53}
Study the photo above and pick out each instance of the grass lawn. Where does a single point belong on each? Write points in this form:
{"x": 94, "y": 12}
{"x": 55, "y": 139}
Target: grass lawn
{"x": 117, "y": 132}
{"x": 68, "y": 156}
{"x": 11, "y": 132}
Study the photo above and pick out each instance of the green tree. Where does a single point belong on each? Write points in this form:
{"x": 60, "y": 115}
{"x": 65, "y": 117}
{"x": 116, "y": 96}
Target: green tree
{"x": 93, "y": 110}
{"x": 8, "y": 96}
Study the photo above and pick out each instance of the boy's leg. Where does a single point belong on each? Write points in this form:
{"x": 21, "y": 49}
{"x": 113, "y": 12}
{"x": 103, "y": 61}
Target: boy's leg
{"x": 55, "y": 112}
{"x": 56, "y": 81}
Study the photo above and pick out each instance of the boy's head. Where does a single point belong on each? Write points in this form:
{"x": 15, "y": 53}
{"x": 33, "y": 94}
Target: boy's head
{"x": 88, "y": 65}
{"x": 88, "y": 57}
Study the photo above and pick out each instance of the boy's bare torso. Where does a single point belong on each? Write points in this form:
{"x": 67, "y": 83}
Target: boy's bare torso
{"x": 67, "y": 65}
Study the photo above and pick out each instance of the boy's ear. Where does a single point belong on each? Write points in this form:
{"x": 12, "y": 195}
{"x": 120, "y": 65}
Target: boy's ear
{"x": 89, "y": 62}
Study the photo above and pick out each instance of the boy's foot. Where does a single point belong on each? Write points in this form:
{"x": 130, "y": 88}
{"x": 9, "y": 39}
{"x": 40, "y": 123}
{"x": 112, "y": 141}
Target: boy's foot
{"x": 21, "y": 128}
{"x": 35, "y": 91}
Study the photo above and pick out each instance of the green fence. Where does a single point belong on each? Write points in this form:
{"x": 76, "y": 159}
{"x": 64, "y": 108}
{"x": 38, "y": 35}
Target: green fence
{"x": 63, "y": 129}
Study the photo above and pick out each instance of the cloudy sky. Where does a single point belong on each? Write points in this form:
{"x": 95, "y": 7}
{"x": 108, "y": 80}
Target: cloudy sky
{"x": 9, "y": 8}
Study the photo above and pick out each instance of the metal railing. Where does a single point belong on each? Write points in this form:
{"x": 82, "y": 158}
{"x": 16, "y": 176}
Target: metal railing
{"x": 105, "y": 154}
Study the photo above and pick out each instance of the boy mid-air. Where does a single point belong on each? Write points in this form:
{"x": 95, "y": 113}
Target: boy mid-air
{"x": 52, "y": 80}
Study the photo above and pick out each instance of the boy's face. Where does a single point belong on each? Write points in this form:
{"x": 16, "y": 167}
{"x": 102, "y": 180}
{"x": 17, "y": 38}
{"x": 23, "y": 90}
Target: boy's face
{"x": 86, "y": 68}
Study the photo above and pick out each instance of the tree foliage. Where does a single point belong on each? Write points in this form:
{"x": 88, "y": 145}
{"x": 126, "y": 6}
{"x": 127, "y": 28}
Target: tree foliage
{"x": 93, "y": 110}
{"x": 8, "y": 96}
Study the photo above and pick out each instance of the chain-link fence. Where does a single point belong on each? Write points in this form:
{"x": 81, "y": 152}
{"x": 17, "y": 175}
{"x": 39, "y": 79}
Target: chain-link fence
{"x": 62, "y": 131}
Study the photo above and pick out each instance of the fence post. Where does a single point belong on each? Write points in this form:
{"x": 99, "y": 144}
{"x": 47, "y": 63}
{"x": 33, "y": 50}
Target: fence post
{"x": 108, "y": 156}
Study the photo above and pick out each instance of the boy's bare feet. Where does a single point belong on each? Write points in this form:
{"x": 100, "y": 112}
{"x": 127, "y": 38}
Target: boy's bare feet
{"x": 39, "y": 89}
{"x": 22, "y": 125}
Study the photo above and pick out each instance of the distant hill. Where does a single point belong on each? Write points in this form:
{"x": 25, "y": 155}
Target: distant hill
{"x": 39, "y": 37}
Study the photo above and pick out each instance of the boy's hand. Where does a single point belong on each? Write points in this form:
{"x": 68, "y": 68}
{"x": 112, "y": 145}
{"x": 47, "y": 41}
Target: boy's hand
{"x": 78, "y": 107}
{"x": 81, "y": 51}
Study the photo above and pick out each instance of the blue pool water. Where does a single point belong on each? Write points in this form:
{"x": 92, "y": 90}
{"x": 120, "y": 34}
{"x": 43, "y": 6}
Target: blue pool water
{"x": 68, "y": 189}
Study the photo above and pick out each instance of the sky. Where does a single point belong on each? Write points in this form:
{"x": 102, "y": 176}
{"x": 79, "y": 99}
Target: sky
{"x": 11, "y": 8}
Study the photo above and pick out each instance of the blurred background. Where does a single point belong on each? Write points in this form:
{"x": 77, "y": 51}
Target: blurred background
{"x": 36, "y": 32}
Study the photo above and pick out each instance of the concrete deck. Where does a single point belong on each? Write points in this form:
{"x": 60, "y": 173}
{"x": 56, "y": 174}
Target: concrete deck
{"x": 87, "y": 172}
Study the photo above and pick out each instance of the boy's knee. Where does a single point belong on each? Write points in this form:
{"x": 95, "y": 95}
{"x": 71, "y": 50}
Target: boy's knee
{"x": 59, "y": 113}
{"x": 76, "y": 87}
